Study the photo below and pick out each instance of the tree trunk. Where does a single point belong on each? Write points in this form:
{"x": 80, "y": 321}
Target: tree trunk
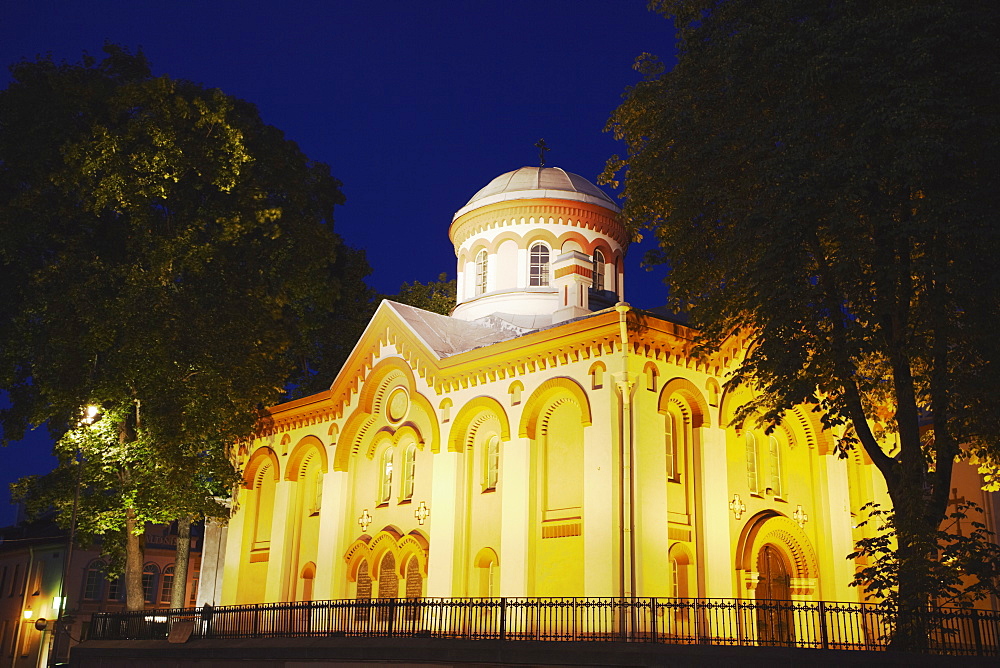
{"x": 181, "y": 559}
{"x": 134, "y": 597}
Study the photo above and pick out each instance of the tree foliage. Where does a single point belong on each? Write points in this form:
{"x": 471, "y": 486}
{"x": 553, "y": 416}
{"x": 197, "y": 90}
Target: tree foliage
{"x": 169, "y": 257}
{"x": 966, "y": 570}
{"x": 435, "y": 296}
{"x": 822, "y": 176}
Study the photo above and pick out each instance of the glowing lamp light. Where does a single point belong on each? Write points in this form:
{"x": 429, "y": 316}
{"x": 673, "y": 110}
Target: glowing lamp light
{"x": 28, "y": 614}
{"x": 90, "y": 413}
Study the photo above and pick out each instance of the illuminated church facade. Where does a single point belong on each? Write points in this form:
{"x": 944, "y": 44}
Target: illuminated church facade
{"x": 546, "y": 439}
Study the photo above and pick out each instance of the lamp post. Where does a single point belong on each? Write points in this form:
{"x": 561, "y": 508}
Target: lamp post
{"x": 91, "y": 414}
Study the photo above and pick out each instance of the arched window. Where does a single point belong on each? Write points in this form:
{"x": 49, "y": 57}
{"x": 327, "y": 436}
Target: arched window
{"x": 166, "y": 584}
{"x": 94, "y": 582}
{"x": 672, "y": 437}
{"x": 491, "y": 463}
{"x": 598, "y": 270}
{"x": 751, "y": 447}
{"x": 385, "y": 476}
{"x": 675, "y": 578}
{"x": 774, "y": 486}
{"x": 116, "y": 589}
{"x": 316, "y": 493}
{"x": 481, "y": 272}
{"x": 538, "y": 267}
{"x": 409, "y": 470}
{"x": 149, "y": 573}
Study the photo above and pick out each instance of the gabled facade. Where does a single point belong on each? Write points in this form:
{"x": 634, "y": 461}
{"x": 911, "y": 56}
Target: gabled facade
{"x": 546, "y": 440}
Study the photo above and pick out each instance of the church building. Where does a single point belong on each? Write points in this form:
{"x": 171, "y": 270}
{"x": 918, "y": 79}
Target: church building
{"x": 546, "y": 439}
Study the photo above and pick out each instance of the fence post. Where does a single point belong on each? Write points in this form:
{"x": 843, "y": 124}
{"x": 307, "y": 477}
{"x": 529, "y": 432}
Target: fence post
{"x": 976, "y": 633}
{"x": 503, "y": 618}
{"x": 824, "y": 638}
{"x": 652, "y": 620}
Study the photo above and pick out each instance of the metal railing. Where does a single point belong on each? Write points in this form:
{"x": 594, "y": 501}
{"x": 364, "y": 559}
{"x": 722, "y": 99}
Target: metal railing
{"x": 805, "y": 624}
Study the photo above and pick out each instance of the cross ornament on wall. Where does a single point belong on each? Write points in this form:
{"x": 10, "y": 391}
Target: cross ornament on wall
{"x": 737, "y": 506}
{"x": 800, "y": 516}
{"x": 422, "y": 513}
{"x": 365, "y": 520}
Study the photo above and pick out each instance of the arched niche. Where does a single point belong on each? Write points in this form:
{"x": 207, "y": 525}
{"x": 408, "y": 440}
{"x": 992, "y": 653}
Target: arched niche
{"x": 305, "y": 452}
{"x": 473, "y": 415}
{"x": 544, "y": 395}
{"x": 683, "y": 393}
{"x": 261, "y": 457}
{"x": 388, "y": 401}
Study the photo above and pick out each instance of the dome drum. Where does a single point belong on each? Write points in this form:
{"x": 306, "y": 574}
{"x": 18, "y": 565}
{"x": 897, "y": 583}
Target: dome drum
{"x": 509, "y": 235}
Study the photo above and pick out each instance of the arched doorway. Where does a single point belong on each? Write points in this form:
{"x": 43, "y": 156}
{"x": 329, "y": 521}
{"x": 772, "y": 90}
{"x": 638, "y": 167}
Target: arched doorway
{"x": 773, "y": 595}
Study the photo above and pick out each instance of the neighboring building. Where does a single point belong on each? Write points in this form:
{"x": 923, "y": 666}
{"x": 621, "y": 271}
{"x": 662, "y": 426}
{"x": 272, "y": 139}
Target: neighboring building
{"x": 32, "y": 561}
{"x": 547, "y": 439}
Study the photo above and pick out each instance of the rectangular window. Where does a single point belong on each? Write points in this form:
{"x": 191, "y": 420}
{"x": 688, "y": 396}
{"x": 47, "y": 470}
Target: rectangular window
{"x": 194, "y": 590}
{"x": 36, "y": 586}
{"x": 14, "y": 580}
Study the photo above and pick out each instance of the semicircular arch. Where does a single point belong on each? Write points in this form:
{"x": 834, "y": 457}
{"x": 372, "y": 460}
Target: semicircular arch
{"x": 306, "y": 451}
{"x": 691, "y": 398}
{"x": 543, "y": 395}
{"x": 772, "y": 528}
{"x": 262, "y": 456}
{"x": 473, "y": 415}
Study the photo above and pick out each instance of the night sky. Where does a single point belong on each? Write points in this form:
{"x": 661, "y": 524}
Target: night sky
{"x": 415, "y": 106}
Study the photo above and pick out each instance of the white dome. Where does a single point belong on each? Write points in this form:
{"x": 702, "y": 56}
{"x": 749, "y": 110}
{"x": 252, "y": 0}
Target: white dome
{"x": 538, "y": 182}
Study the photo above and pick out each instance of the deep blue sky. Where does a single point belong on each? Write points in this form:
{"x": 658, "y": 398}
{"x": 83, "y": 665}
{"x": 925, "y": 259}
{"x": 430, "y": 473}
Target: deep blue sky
{"x": 415, "y": 106}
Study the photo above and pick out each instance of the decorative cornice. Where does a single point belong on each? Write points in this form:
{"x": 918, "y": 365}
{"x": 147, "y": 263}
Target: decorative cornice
{"x": 521, "y": 212}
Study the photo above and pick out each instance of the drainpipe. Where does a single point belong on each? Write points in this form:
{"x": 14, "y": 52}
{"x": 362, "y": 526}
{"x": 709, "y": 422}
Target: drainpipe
{"x": 627, "y": 576}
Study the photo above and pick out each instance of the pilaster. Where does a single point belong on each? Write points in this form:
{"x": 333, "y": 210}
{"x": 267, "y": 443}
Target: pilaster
{"x": 330, "y": 569}
{"x": 444, "y": 525}
{"x": 276, "y": 589}
{"x": 515, "y": 525}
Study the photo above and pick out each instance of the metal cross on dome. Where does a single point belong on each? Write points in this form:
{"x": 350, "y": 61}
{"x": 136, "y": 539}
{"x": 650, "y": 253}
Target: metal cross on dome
{"x": 422, "y": 513}
{"x": 542, "y": 148}
{"x": 737, "y": 506}
{"x": 365, "y": 520}
{"x": 800, "y": 516}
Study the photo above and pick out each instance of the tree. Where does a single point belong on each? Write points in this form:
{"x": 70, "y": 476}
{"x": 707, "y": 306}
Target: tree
{"x": 821, "y": 175}
{"x": 435, "y": 296}
{"x": 165, "y": 256}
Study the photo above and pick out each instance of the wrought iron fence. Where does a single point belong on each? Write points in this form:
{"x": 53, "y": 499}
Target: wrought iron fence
{"x": 806, "y": 624}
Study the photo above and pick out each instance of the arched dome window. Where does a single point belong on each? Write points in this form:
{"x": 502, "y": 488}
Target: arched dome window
{"x": 538, "y": 274}
{"x": 598, "y": 270}
{"x": 481, "y": 272}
